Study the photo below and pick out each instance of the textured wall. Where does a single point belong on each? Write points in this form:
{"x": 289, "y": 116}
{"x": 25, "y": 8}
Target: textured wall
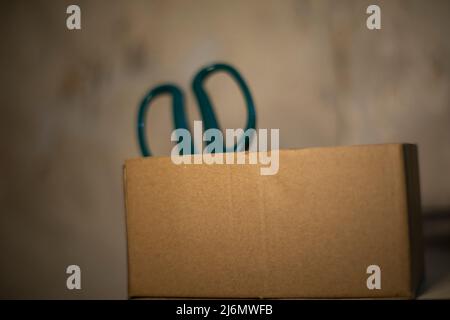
{"x": 69, "y": 101}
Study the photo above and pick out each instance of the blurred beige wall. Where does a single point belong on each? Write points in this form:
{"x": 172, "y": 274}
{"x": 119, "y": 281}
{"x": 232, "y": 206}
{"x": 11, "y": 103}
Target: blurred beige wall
{"x": 69, "y": 101}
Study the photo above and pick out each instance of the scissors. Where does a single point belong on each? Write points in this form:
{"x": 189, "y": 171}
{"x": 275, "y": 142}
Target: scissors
{"x": 206, "y": 109}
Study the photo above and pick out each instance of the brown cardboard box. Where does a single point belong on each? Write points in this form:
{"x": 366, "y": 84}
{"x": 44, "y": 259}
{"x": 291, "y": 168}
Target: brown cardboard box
{"x": 310, "y": 231}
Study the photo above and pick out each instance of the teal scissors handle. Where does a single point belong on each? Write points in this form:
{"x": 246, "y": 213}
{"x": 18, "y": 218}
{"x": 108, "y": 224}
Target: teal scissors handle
{"x": 178, "y": 112}
{"x": 206, "y": 109}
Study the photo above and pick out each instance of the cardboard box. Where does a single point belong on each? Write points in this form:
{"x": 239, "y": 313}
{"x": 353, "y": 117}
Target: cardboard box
{"x": 310, "y": 231}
